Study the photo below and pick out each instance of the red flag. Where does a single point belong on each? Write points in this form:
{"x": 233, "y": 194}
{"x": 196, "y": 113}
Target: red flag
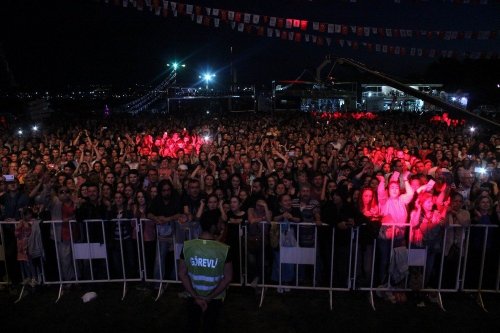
{"x": 322, "y": 27}
{"x": 206, "y": 21}
{"x": 298, "y": 37}
{"x": 303, "y": 25}
{"x": 345, "y": 30}
{"x": 279, "y": 23}
{"x": 359, "y": 31}
{"x": 223, "y": 15}
{"x": 237, "y": 17}
{"x": 296, "y": 23}
{"x": 197, "y": 10}
{"x": 181, "y": 8}
{"x": 284, "y": 35}
{"x": 260, "y": 31}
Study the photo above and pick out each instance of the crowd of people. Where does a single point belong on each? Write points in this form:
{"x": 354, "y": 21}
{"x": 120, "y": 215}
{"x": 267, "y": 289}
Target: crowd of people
{"x": 243, "y": 169}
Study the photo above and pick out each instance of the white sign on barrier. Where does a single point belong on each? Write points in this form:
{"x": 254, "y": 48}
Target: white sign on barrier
{"x": 297, "y": 255}
{"x": 417, "y": 257}
{"x": 89, "y": 251}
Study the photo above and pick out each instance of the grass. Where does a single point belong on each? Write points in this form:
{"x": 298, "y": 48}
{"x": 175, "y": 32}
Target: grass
{"x": 297, "y": 311}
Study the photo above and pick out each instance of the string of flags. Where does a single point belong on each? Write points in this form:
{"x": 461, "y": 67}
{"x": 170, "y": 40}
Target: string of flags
{"x": 314, "y": 32}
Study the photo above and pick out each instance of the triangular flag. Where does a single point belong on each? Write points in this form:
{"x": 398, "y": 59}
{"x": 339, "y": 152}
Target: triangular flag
{"x": 233, "y": 25}
{"x": 215, "y": 12}
{"x": 230, "y": 15}
{"x": 208, "y": 11}
{"x": 216, "y": 22}
{"x": 315, "y": 25}
{"x": 189, "y": 9}
{"x": 331, "y": 28}
{"x": 328, "y": 41}
{"x": 241, "y": 27}
{"x": 306, "y": 37}
{"x": 246, "y": 17}
{"x": 255, "y": 19}
{"x": 288, "y": 23}
{"x": 338, "y": 28}
{"x": 270, "y": 32}
{"x": 199, "y": 19}
{"x": 296, "y": 24}
{"x": 303, "y": 25}
{"x": 173, "y": 5}
{"x": 290, "y": 35}
{"x": 277, "y": 32}
{"x": 366, "y": 31}
{"x": 272, "y": 21}
{"x": 377, "y": 47}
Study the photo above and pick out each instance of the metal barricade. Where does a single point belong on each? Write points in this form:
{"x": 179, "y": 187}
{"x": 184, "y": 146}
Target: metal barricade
{"x": 89, "y": 255}
{"x": 482, "y": 247}
{"x": 292, "y": 249}
{"x": 4, "y": 278}
{"x": 30, "y": 267}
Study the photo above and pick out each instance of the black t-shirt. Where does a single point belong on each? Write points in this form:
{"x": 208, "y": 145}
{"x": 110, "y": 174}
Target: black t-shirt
{"x": 160, "y": 208}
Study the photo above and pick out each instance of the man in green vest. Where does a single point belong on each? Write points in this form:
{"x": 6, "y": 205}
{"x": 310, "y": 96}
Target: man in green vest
{"x": 205, "y": 270}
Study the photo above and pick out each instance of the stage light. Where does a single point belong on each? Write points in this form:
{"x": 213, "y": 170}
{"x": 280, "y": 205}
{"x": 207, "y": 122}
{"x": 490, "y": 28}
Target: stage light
{"x": 35, "y": 128}
{"x": 20, "y": 132}
{"x": 472, "y": 129}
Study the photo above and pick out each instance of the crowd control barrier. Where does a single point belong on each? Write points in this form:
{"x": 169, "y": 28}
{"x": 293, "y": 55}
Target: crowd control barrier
{"x": 274, "y": 255}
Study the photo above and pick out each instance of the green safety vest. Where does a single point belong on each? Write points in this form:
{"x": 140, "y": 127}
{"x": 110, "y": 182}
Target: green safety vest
{"x": 205, "y": 261}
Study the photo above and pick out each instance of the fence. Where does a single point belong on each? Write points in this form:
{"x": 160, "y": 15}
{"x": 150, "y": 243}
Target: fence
{"x": 279, "y": 256}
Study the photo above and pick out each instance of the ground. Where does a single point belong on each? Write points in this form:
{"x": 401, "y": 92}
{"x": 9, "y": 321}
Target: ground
{"x": 297, "y": 311}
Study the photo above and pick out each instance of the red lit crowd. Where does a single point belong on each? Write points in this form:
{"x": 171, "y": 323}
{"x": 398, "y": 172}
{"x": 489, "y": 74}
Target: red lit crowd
{"x": 247, "y": 168}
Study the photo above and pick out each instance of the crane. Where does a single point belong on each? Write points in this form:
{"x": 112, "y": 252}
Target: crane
{"x": 452, "y": 109}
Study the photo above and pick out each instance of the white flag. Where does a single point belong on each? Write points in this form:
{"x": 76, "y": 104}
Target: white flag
{"x": 208, "y": 11}
{"x": 246, "y": 18}
{"x": 189, "y": 9}
{"x": 306, "y": 38}
{"x": 241, "y": 27}
{"x": 199, "y": 19}
{"x": 173, "y": 5}
{"x": 366, "y": 31}
{"x": 255, "y": 19}
{"x": 215, "y": 12}
{"x": 331, "y": 28}
{"x": 272, "y": 21}
{"x": 230, "y": 15}
{"x": 270, "y": 32}
{"x": 216, "y": 22}
{"x": 315, "y": 25}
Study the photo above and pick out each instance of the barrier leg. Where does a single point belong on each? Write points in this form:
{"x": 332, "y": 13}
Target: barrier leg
{"x": 262, "y": 293}
{"x": 440, "y": 301}
{"x": 124, "y": 291}
{"x": 21, "y": 294}
{"x": 331, "y": 299}
{"x": 160, "y": 291}
{"x": 60, "y": 293}
{"x": 479, "y": 301}
{"x": 372, "y": 300}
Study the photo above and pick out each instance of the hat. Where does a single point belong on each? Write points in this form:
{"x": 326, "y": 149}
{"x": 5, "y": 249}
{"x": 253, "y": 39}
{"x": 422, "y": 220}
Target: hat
{"x": 182, "y": 167}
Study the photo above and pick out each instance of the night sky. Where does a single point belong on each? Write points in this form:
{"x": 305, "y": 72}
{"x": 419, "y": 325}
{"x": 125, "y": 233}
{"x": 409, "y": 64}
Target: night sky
{"x": 53, "y": 44}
